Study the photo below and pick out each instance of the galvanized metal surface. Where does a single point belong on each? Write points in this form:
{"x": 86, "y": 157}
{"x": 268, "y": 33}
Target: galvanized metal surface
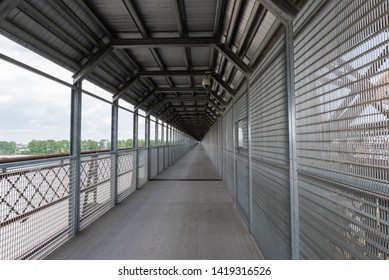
{"x": 35, "y": 199}
{"x": 342, "y": 130}
{"x": 95, "y": 40}
{"x": 270, "y": 158}
{"x": 170, "y": 220}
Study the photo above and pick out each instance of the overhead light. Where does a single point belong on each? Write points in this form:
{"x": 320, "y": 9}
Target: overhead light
{"x": 206, "y": 82}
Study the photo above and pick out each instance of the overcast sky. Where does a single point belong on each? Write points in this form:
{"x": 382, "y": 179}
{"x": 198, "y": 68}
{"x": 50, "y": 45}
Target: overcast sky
{"x": 33, "y": 107}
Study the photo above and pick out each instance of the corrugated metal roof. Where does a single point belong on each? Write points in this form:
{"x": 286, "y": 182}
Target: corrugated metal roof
{"x": 90, "y": 38}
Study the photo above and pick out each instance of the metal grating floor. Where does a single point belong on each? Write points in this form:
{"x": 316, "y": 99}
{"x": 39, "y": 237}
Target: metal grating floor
{"x": 177, "y": 219}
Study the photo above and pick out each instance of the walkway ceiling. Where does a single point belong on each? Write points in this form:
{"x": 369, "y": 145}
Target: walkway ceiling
{"x": 154, "y": 53}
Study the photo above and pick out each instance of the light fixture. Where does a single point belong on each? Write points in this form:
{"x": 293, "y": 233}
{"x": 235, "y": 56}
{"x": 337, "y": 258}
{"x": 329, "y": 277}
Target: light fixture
{"x": 206, "y": 82}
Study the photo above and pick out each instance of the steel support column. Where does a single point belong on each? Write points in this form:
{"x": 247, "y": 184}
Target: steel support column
{"x": 294, "y": 210}
{"x": 114, "y": 149}
{"x": 249, "y": 145}
{"x": 136, "y": 149}
{"x": 147, "y": 140}
{"x": 75, "y": 152}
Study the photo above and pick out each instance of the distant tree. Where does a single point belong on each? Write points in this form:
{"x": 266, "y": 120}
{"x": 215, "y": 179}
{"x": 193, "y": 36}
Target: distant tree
{"x": 37, "y": 147}
{"x": 89, "y": 145}
{"x": 7, "y": 148}
{"x": 64, "y": 146}
{"x": 141, "y": 143}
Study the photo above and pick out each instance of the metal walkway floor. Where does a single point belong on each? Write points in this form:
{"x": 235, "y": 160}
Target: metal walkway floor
{"x": 184, "y": 213}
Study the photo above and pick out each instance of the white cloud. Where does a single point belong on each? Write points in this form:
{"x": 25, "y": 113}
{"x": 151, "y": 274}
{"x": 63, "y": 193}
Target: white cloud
{"x": 4, "y": 99}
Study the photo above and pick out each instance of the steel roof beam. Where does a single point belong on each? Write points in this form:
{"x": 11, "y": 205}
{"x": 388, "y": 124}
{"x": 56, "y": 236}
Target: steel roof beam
{"x": 285, "y": 10}
{"x": 217, "y": 27}
{"x": 77, "y": 23}
{"x": 7, "y": 6}
{"x": 37, "y": 45}
{"x": 201, "y": 112}
{"x": 155, "y": 107}
{"x": 138, "y": 21}
{"x": 181, "y": 98}
{"x": 92, "y": 63}
{"x": 125, "y": 87}
{"x": 164, "y": 111}
{"x": 144, "y": 99}
{"x": 216, "y": 106}
{"x": 167, "y": 73}
{"x": 179, "y": 11}
{"x": 234, "y": 59}
{"x": 190, "y": 106}
{"x": 219, "y": 98}
{"x": 163, "y": 42}
{"x": 223, "y": 84}
{"x": 51, "y": 26}
{"x": 180, "y": 89}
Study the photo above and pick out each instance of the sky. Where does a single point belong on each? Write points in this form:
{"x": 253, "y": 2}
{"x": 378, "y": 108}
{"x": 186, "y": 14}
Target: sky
{"x": 33, "y": 107}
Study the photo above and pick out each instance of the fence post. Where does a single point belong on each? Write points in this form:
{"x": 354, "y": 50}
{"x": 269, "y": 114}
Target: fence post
{"x": 294, "y": 206}
{"x": 114, "y": 149}
{"x": 75, "y": 152}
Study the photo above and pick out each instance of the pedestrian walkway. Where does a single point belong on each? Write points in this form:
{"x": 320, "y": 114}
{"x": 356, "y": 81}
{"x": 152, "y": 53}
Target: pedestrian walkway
{"x": 183, "y": 213}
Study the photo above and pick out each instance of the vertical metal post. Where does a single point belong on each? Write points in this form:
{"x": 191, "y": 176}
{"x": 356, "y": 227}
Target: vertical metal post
{"x": 249, "y": 143}
{"x": 234, "y": 185}
{"x": 156, "y": 142}
{"x": 136, "y": 149}
{"x": 147, "y": 140}
{"x": 294, "y": 206}
{"x": 114, "y": 149}
{"x": 75, "y": 152}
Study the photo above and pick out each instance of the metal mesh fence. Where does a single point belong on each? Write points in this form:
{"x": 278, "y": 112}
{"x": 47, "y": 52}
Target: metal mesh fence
{"x": 142, "y": 167}
{"x": 96, "y": 193}
{"x": 126, "y": 174}
{"x": 342, "y": 103}
{"x": 153, "y": 162}
{"x": 34, "y": 208}
{"x": 270, "y": 155}
{"x": 160, "y": 159}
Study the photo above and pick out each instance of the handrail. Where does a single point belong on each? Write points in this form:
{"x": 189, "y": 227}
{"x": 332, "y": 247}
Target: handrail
{"x": 39, "y": 157}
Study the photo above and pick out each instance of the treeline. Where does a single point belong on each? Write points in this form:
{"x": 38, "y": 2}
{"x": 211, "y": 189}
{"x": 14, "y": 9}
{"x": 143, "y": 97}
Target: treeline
{"x": 44, "y": 147}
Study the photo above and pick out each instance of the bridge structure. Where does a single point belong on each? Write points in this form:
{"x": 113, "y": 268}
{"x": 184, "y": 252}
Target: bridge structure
{"x": 259, "y": 131}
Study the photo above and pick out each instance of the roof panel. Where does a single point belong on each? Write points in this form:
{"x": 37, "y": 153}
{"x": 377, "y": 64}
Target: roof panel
{"x": 268, "y": 21}
{"x": 200, "y": 57}
{"x": 181, "y": 81}
{"x": 172, "y": 57}
{"x": 157, "y": 15}
{"x": 113, "y": 14}
{"x": 242, "y": 22}
{"x": 200, "y": 14}
{"x": 143, "y": 57}
{"x": 85, "y": 18}
{"x": 28, "y": 25}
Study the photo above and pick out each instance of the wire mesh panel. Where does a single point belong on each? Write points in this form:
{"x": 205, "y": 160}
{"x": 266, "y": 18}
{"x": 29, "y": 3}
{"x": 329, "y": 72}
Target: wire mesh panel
{"x": 153, "y": 162}
{"x": 166, "y": 157}
{"x": 270, "y": 155}
{"x": 342, "y": 105}
{"x": 142, "y": 167}
{"x": 170, "y": 151}
{"x": 96, "y": 193}
{"x": 126, "y": 174}
{"x": 241, "y": 154}
{"x": 219, "y": 147}
{"x": 160, "y": 159}
{"x": 34, "y": 209}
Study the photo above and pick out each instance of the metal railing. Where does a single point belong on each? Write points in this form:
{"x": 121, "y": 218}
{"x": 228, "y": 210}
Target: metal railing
{"x": 37, "y": 207}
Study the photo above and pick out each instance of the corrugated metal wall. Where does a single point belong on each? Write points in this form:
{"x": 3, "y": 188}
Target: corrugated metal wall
{"x": 341, "y": 72}
{"x": 270, "y": 155}
{"x": 341, "y": 61}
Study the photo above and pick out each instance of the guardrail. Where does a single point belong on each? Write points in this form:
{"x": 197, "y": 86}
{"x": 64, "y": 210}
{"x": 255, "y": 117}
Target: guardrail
{"x": 37, "y": 203}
